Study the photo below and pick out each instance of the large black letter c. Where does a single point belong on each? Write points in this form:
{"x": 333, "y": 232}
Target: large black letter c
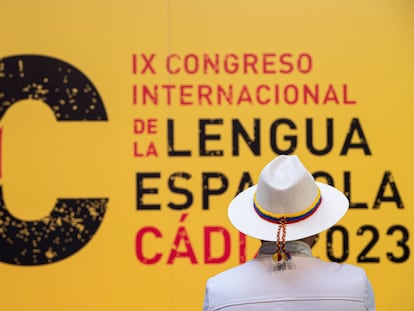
{"x": 73, "y": 221}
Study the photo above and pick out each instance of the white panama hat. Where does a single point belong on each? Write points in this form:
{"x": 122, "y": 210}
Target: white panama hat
{"x": 286, "y": 190}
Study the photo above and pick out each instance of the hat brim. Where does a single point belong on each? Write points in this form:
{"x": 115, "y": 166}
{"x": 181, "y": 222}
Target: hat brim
{"x": 245, "y": 219}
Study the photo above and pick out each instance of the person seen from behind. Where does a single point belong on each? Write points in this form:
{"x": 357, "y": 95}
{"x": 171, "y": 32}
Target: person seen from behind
{"x": 287, "y": 210}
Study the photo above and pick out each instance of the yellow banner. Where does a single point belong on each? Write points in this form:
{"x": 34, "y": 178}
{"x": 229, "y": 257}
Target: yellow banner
{"x": 127, "y": 127}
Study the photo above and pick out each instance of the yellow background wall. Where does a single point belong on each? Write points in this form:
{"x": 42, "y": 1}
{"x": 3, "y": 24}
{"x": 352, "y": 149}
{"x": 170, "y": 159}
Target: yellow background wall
{"x": 366, "y": 45}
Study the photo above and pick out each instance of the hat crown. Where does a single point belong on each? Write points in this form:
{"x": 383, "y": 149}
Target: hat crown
{"x": 286, "y": 187}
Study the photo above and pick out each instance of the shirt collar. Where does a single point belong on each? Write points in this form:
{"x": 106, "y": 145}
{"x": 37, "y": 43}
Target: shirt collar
{"x": 293, "y": 247}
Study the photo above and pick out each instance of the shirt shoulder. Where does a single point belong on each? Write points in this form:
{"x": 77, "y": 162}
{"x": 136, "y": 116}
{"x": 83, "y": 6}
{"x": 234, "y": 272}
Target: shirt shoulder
{"x": 311, "y": 278}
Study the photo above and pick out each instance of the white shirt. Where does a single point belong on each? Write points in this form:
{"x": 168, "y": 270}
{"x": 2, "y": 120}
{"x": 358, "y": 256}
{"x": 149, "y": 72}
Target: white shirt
{"x": 309, "y": 285}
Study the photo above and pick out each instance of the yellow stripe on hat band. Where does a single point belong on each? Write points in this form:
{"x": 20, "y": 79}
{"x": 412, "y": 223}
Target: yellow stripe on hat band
{"x": 289, "y": 218}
